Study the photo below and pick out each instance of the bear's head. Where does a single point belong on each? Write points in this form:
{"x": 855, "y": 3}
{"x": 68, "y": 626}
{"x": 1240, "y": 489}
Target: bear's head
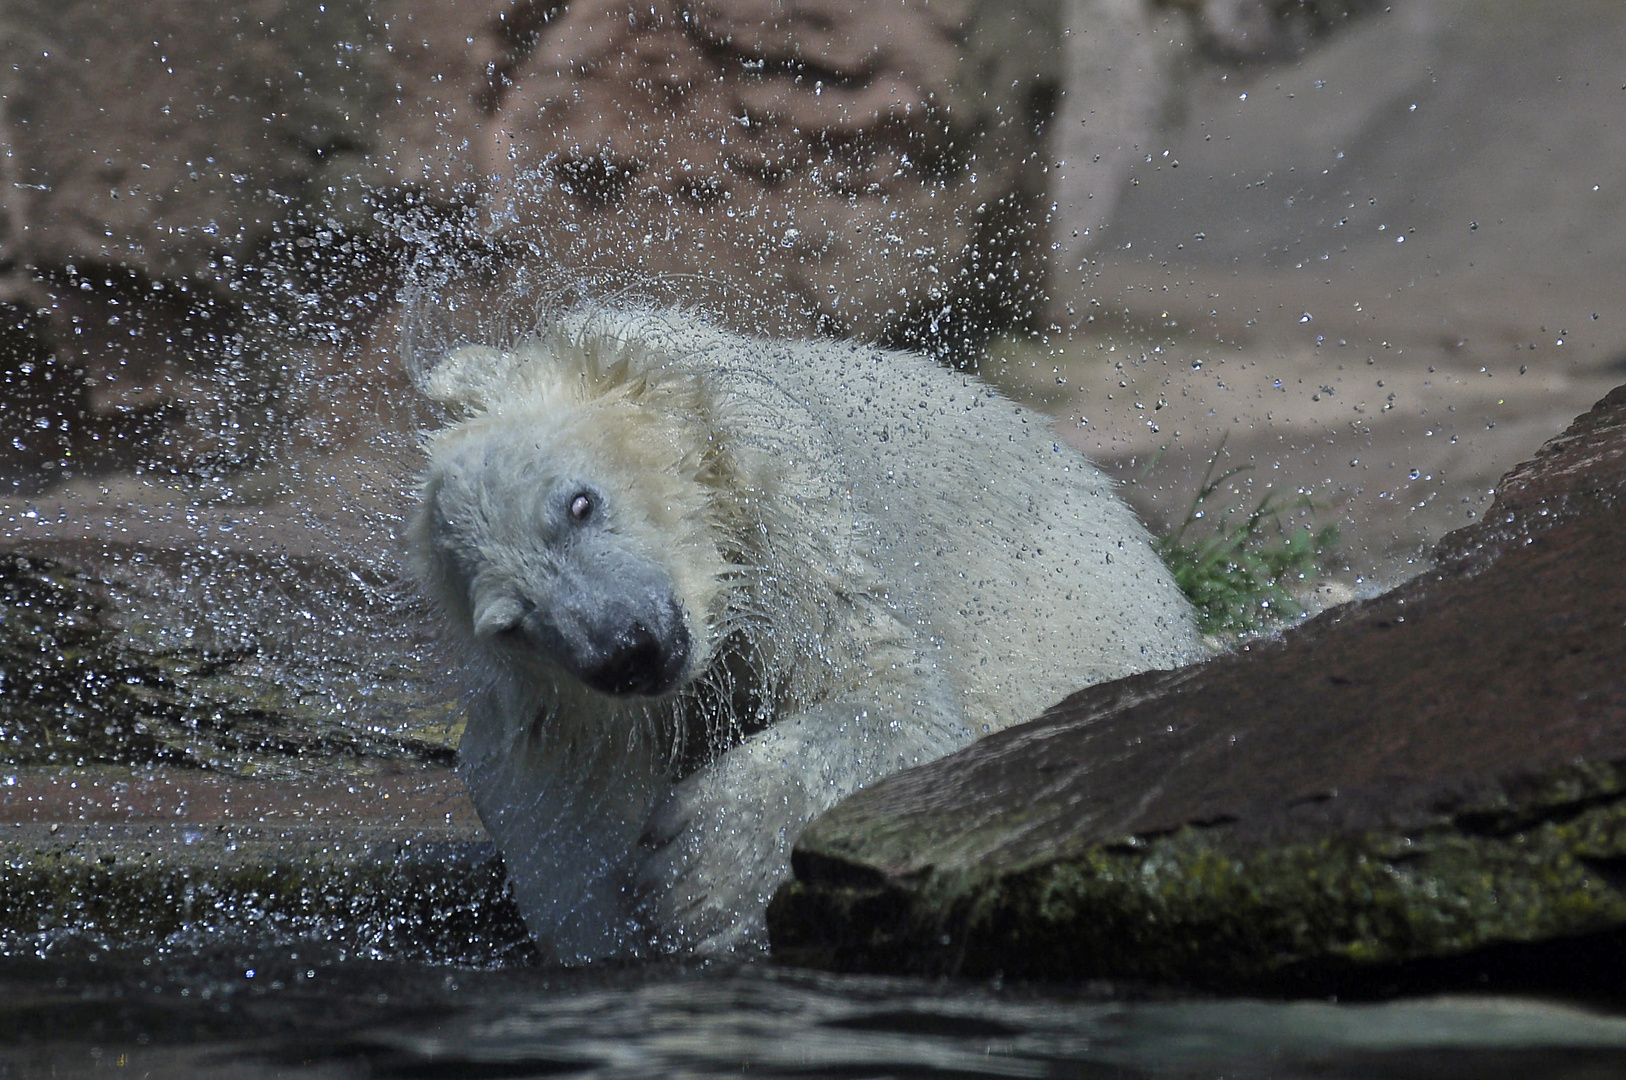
{"x": 572, "y": 524}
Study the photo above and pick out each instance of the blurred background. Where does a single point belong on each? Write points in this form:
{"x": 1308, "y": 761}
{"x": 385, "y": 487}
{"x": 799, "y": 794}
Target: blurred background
{"x": 1374, "y": 247}
{"x": 1366, "y": 254}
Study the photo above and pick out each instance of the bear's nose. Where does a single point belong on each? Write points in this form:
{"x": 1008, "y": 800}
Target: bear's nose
{"x": 639, "y": 663}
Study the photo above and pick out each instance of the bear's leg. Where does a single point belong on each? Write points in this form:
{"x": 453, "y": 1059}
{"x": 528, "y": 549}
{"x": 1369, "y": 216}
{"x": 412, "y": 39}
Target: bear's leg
{"x": 567, "y": 821}
{"x": 720, "y": 843}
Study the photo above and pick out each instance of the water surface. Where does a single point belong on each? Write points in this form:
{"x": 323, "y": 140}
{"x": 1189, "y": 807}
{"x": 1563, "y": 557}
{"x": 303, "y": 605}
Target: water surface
{"x": 216, "y": 1011}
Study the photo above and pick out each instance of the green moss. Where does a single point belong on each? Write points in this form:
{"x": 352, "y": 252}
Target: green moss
{"x": 1186, "y": 908}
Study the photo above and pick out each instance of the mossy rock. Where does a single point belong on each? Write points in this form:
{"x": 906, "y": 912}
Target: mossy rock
{"x": 432, "y": 895}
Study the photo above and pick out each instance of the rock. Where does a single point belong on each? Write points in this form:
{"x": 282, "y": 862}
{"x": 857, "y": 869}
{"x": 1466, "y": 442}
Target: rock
{"x": 227, "y": 722}
{"x": 1432, "y": 774}
{"x": 391, "y": 865}
{"x": 140, "y": 627}
{"x": 874, "y": 170}
{"x": 188, "y": 194}
{"x": 1122, "y": 64}
{"x": 177, "y": 145}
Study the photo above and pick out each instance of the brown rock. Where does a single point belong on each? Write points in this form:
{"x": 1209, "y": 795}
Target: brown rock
{"x": 270, "y": 755}
{"x": 193, "y": 193}
{"x": 188, "y": 189}
{"x": 871, "y": 168}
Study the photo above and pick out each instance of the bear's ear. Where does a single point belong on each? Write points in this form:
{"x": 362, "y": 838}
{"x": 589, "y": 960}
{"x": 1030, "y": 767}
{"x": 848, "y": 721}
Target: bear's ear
{"x": 474, "y": 377}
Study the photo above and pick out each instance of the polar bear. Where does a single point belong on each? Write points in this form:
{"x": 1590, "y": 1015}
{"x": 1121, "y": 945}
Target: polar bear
{"x": 711, "y": 584}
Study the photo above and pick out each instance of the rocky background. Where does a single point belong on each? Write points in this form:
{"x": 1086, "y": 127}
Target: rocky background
{"x": 206, "y": 208}
{"x": 1382, "y": 269}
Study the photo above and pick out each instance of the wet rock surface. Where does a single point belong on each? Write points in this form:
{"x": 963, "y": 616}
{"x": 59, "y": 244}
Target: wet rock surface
{"x": 377, "y": 858}
{"x": 88, "y": 680}
{"x": 368, "y": 879}
{"x": 1428, "y": 777}
{"x": 227, "y": 723}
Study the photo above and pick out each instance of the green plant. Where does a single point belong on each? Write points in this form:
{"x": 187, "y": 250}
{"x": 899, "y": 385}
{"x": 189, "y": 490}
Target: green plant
{"x": 1240, "y": 576}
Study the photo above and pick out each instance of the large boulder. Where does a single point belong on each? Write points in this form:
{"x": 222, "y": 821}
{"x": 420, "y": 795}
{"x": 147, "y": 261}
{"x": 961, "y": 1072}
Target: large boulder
{"x": 871, "y": 169}
{"x": 207, "y": 208}
{"x": 1431, "y": 774}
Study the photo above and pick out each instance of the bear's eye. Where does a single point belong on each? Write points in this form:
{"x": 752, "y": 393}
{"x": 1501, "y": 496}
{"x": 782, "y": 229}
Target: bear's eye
{"x": 581, "y": 506}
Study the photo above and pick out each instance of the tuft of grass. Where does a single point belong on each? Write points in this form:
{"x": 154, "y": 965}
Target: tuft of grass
{"x": 1241, "y": 576}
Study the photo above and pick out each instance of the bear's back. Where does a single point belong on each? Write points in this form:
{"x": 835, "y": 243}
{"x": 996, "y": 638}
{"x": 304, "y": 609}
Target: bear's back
{"x": 1022, "y": 572}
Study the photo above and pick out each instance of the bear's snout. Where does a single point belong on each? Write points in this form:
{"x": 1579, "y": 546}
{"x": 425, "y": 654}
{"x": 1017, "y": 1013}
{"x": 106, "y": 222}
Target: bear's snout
{"x": 633, "y": 641}
{"x": 642, "y": 661}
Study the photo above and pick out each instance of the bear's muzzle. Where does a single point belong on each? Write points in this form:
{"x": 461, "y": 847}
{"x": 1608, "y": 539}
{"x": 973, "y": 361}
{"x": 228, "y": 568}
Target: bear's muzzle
{"x": 629, "y": 639}
{"x": 642, "y": 660}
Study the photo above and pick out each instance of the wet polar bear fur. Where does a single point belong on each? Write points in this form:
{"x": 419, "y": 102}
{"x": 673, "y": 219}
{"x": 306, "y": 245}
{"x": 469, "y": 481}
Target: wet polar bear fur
{"x": 712, "y": 584}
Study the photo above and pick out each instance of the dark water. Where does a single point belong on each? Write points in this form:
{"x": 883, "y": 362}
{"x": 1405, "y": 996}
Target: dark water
{"x": 216, "y": 1012}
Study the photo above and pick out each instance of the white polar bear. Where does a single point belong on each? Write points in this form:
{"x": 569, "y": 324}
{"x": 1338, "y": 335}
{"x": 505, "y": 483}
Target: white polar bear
{"x": 713, "y": 584}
